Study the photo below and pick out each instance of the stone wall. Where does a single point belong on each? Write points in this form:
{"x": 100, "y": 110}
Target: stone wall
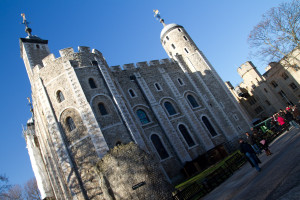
{"x": 128, "y": 172}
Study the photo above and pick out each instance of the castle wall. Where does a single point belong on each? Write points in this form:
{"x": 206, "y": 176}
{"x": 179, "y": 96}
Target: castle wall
{"x": 175, "y": 110}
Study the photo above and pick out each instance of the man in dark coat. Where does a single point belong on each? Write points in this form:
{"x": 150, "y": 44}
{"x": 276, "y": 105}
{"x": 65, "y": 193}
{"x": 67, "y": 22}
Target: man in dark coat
{"x": 251, "y": 140}
{"x": 290, "y": 118}
{"x": 246, "y": 149}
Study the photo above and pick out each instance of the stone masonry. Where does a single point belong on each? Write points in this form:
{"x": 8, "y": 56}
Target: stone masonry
{"x": 174, "y": 109}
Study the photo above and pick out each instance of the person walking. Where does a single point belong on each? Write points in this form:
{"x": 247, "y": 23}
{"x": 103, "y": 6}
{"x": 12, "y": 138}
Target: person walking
{"x": 246, "y": 149}
{"x": 251, "y": 140}
{"x": 296, "y": 114}
{"x": 289, "y": 117}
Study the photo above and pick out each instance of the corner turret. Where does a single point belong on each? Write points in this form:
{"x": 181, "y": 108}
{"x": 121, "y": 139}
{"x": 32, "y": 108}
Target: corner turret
{"x": 33, "y": 49}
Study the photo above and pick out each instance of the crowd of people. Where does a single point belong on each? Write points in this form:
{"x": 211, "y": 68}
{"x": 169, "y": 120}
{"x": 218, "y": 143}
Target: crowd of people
{"x": 261, "y": 134}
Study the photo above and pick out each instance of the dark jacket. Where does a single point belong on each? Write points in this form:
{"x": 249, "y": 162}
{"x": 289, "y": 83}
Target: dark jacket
{"x": 250, "y": 139}
{"x": 288, "y": 116}
{"x": 245, "y": 147}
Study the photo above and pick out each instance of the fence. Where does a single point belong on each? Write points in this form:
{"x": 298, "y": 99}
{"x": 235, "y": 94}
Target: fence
{"x": 202, "y": 187}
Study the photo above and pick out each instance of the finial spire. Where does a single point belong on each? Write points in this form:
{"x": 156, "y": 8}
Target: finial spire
{"x": 27, "y": 29}
{"x": 157, "y": 16}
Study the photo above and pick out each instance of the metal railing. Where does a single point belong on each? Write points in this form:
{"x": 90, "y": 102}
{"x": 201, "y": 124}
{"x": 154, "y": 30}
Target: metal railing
{"x": 202, "y": 187}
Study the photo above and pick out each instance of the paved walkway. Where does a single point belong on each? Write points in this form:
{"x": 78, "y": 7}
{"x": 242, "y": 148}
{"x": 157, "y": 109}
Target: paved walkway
{"x": 278, "y": 180}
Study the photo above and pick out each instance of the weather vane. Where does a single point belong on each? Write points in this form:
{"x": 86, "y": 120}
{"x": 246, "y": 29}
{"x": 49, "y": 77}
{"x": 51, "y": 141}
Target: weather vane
{"x": 27, "y": 29}
{"x": 157, "y": 16}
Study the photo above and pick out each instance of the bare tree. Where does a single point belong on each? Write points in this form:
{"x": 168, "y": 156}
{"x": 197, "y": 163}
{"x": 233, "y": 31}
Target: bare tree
{"x": 4, "y": 186}
{"x": 14, "y": 193}
{"x": 278, "y": 32}
{"x": 31, "y": 190}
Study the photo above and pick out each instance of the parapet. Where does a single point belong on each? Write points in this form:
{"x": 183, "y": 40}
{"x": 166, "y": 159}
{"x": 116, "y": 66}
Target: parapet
{"x": 66, "y": 51}
{"x": 142, "y": 64}
{"x": 50, "y": 58}
{"x": 165, "y": 61}
{"x": 95, "y": 51}
{"x": 129, "y": 66}
{"x": 116, "y": 68}
{"x": 84, "y": 49}
{"x": 229, "y": 85}
{"x": 154, "y": 62}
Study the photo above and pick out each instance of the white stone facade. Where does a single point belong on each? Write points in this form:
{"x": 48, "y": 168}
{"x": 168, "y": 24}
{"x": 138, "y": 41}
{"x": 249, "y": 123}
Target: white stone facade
{"x": 176, "y": 109}
{"x": 263, "y": 95}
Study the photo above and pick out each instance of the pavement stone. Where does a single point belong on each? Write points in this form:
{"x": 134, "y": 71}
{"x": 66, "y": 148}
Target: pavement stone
{"x": 279, "y": 178}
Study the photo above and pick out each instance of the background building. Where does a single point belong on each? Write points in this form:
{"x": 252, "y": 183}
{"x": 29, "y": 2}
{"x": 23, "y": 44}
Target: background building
{"x": 176, "y": 109}
{"x": 263, "y": 95}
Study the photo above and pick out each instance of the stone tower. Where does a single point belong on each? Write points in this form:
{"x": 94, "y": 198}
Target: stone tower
{"x": 218, "y": 100}
{"x": 174, "y": 109}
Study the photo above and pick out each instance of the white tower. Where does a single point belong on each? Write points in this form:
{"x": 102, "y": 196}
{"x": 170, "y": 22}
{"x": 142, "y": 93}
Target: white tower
{"x": 217, "y": 98}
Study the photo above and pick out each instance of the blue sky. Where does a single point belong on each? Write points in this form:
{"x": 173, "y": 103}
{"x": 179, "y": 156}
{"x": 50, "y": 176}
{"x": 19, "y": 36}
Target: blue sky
{"x": 125, "y": 32}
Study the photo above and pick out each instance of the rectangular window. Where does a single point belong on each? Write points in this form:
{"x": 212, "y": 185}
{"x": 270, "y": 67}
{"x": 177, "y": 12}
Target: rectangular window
{"x": 173, "y": 46}
{"x": 157, "y": 86}
{"x": 180, "y": 81}
{"x": 167, "y": 37}
{"x": 235, "y": 117}
{"x": 284, "y": 76}
{"x": 274, "y": 84}
{"x": 251, "y": 100}
{"x": 281, "y": 93}
{"x": 186, "y": 50}
{"x": 179, "y": 30}
{"x": 293, "y": 86}
{"x": 185, "y": 38}
{"x": 258, "y": 110}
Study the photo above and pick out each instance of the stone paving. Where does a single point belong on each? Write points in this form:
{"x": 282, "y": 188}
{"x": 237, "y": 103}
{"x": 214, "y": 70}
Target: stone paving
{"x": 278, "y": 180}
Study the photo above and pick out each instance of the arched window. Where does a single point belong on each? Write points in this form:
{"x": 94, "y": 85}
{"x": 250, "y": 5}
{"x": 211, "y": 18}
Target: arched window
{"x": 209, "y": 126}
{"x": 184, "y": 132}
{"x": 142, "y": 116}
{"x": 163, "y": 154}
{"x": 102, "y": 109}
{"x": 169, "y": 107}
{"x": 131, "y": 92}
{"x": 70, "y": 124}
{"x": 192, "y": 101}
{"x": 92, "y": 83}
{"x": 59, "y": 96}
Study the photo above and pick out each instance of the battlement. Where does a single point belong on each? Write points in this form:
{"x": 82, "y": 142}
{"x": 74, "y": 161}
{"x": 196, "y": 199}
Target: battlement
{"x": 80, "y": 60}
{"x": 246, "y": 67}
{"x": 70, "y": 54}
{"x": 140, "y": 65}
{"x": 66, "y": 51}
{"x": 49, "y": 59}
